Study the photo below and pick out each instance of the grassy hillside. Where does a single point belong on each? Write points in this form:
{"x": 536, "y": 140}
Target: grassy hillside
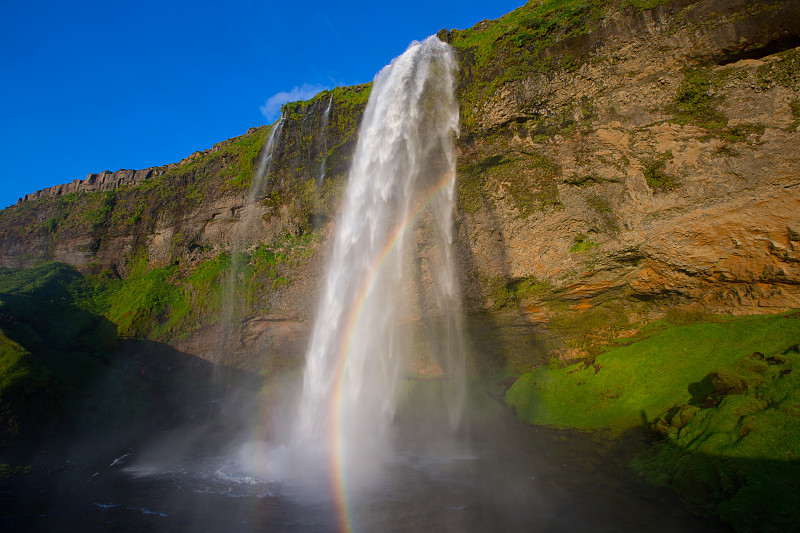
{"x": 59, "y": 363}
{"x": 722, "y": 399}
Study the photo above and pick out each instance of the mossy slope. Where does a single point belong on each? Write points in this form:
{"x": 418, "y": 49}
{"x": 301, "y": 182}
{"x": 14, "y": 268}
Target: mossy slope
{"x": 734, "y": 449}
{"x": 722, "y": 398}
{"x": 640, "y": 381}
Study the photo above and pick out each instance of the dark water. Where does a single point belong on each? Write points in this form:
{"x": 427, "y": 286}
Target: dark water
{"x": 502, "y": 476}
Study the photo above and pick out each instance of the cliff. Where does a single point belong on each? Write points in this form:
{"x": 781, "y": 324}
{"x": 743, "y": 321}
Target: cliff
{"x": 616, "y": 160}
{"x": 628, "y": 185}
{"x": 614, "y": 164}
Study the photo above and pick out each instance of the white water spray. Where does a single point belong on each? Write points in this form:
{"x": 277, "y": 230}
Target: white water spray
{"x": 403, "y": 171}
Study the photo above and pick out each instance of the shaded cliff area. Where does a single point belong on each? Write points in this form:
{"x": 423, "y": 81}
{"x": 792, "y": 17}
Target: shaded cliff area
{"x": 628, "y": 200}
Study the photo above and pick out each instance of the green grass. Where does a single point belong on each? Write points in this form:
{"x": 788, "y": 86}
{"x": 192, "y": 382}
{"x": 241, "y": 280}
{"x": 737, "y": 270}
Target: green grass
{"x": 30, "y": 399}
{"x": 508, "y": 48}
{"x": 516, "y": 45}
{"x": 640, "y": 5}
{"x": 631, "y": 384}
{"x": 243, "y": 151}
{"x": 528, "y": 29}
{"x": 58, "y": 333}
{"x": 734, "y": 449}
{"x": 721, "y": 398}
{"x": 173, "y": 301}
{"x": 50, "y": 348}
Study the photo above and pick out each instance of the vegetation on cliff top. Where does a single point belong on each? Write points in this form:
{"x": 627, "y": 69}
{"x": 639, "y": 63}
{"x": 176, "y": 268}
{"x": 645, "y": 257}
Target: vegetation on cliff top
{"x": 517, "y": 43}
{"x": 200, "y": 180}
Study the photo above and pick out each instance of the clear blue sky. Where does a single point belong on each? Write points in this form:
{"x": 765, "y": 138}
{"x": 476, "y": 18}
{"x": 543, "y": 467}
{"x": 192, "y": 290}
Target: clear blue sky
{"x": 92, "y": 86}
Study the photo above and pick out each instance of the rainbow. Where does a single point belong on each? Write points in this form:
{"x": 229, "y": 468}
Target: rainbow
{"x": 367, "y": 284}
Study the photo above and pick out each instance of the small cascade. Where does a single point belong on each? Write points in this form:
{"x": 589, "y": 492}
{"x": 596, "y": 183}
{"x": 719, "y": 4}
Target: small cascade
{"x": 265, "y": 163}
{"x": 323, "y": 166}
{"x": 245, "y": 231}
{"x": 402, "y": 175}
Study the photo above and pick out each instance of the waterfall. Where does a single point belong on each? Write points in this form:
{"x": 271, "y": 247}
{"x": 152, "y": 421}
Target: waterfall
{"x": 324, "y": 132}
{"x": 265, "y": 163}
{"x": 323, "y": 166}
{"x": 402, "y": 176}
{"x": 243, "y": 231}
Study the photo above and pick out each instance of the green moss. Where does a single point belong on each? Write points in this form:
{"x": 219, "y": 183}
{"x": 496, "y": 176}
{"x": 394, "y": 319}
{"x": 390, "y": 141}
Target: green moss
{"x": 244, "y": 152}
{"x": 509, "y": 48}
{"x": 657, "y": 179}
{"x": 785, "y": 71}
{"x": 355, "y": 95}
{"x": 734, "y": 449}
{"x": 641, "y": 5}
{"x": 794, "y": 106}
{"x": 471, "y": 184}
{"x": 588, "y": 179}
{"x": 527, "y": 180}
{"x": 170, "y": 301}
{"x": 593, "y": 329}
{"x": 741, "y": 132}
{"x": 528, "y": 29}
{"x": 507, "y": 294}
{"x": 694, "y": 104}
{"x": 582, "y": 244}
{"x": 101, "y": 217}
{"x": 629, "y": 384}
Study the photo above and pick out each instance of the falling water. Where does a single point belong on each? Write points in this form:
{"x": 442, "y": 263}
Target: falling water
{"x": 244, "y": 230}
{"x": 403, "y": 174}
{"x": 324, "y": 132}
{"x": 265, "y": 163}
{"x": 323, "y": 166}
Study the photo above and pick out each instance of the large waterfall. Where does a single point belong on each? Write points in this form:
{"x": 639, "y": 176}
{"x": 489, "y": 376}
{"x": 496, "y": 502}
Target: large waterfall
{"x": 402, "y": 177}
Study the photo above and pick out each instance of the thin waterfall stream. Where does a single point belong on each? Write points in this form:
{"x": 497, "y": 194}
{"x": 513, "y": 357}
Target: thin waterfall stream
{"x": 323, "y": 166}
{"x": 322, "y": 171}
{"x": 242, "y": 233}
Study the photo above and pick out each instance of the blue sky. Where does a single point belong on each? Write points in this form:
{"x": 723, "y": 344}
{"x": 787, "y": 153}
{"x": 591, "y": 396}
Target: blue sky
{"x": 92, "y": 86}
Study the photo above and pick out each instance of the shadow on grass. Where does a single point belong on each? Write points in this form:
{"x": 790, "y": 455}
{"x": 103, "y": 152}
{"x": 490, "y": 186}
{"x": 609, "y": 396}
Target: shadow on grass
{"x": 750, "y": 494}
{"x": 66, "y": 374}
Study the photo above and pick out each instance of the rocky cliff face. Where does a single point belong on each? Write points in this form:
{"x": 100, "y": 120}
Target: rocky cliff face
{"x": 197, "y": 204}
{"x": 616, "y": 160}
{"x": 648, "y": 161}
